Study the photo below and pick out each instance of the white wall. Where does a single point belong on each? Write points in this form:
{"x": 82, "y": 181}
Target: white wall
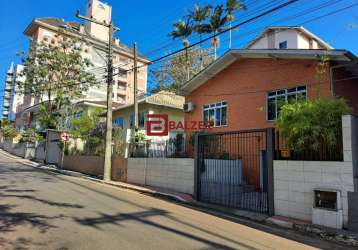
{"x": 175, "y": 174}
{"x": 294, "y": 181}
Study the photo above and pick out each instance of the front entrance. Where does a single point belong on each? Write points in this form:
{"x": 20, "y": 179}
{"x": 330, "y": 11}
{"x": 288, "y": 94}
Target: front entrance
{"x": 233, "y": 169}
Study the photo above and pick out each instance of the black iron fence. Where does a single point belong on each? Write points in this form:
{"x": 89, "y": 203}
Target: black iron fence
{"x": 233, "y": 169}
{"x": 324, "y": 151}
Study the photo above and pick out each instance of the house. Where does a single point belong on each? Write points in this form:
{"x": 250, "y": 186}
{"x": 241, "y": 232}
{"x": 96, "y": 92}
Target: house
{"x": 163, "y": 102}
{"x": 287, "y": 37}
{"x": 242, "y": 89}
{"x": 94, "y": 47}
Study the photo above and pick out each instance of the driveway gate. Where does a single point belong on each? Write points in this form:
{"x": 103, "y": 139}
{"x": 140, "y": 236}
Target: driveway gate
{"x": 234, "y": 169}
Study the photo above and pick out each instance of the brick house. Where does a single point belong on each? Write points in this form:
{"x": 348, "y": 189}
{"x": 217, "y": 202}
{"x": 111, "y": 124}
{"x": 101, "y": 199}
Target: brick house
{"x": 241, "y": 90}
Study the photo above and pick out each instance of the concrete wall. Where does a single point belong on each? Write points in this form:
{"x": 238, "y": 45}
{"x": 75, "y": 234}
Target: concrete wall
{"x": 93, "y": 165}
{"x": 294, "y": 181}
{"x": 173, "y": 174}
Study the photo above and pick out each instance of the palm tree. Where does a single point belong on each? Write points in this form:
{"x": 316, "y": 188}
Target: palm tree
{"x": 183, "y": 29}
{"x": 232, "y": 6}
{"x": 199, "y": 15}
{"x": 215, "y": 25}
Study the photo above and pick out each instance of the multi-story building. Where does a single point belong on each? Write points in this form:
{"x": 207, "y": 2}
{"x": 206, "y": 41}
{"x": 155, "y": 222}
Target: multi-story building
{"x": 94, "y": 47}
{"x": 12, "y": 97}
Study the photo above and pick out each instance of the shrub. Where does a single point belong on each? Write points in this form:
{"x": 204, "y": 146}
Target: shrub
{"x": 308, "y": 125}
{"x": 30, "y": 135}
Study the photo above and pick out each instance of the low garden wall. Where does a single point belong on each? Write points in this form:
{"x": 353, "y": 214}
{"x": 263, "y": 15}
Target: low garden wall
{"x": 93, "y": 165}
{"x": 176, "y": 174}
{"x": 295, "y": 181}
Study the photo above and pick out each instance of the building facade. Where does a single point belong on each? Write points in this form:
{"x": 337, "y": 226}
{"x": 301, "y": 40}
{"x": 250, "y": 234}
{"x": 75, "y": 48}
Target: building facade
{"x": 13, "y": 99}
{"x": 94, "y": 44}
{"x": 287, "y": 37}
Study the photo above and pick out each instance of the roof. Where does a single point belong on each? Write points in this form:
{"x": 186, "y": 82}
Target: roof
{"x": 298, "y": 28}
{"x": 339, "y": 56}
{"x": 100, "y": 104}
{"x": 162, "y": 98}
{"x": 58, "y": 23}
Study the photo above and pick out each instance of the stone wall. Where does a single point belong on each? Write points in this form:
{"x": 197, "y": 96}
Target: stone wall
{"x": 171, "y": 173}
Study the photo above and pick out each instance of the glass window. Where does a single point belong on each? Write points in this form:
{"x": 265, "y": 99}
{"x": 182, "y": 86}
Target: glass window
{"x": 216, "y": 114}
{"x": 283, "y": 45}
{"x": 141, "y": 121}
{"x": 119, "y": 122}
{"x": 276, "y": 99}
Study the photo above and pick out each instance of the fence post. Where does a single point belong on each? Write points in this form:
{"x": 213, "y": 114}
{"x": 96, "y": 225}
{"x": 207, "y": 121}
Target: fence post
{"x": 270, "y": 178}
{"x": 196, "y": 166}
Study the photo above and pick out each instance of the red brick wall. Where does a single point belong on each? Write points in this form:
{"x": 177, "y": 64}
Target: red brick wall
{"x": 346, "y": 88}
{"x": 244, "y": 85}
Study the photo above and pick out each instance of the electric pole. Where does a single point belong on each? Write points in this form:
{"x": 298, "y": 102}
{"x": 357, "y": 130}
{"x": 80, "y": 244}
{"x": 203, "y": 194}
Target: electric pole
{"x": 135, "y": 98}
{"x": 108, "y": 139}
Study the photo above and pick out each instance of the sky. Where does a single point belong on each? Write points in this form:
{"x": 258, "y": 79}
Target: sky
{"x": 149, "y": 22}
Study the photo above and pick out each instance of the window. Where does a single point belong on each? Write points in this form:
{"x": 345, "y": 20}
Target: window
{"x": 276, "y": 99}
{"x": 119, "y": 122}
{"x": 216, "y": 114}
{"x": 283, "y": 45}
{"x": 140, "y": 120}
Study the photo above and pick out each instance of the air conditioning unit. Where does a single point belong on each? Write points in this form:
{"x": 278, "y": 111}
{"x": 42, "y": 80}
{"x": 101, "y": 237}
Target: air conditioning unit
{"x": 188, "y": 107}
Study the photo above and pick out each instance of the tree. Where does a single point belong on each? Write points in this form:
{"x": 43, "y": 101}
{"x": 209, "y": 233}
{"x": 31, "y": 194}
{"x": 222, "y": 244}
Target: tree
{"x": 183, "y": 29}
{"x": 309, "y": 125}
{"x": 216, "y": 24}
{"x": 172, "y": 73}
{"x": 7, "y": 129}
{"x": 232, "y": 6}
{"x": 83, "y": 126}
{"x": 199, "y": 15}
{"x": 57, "y": 74}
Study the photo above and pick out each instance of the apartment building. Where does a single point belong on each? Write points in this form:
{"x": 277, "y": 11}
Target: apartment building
{"x": 13, "y": 99}
{"x": 94, "y": 47}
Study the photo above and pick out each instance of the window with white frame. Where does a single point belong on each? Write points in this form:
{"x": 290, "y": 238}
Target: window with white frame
{"x": 216, "y": 114}
{"x": 276, "y": 99}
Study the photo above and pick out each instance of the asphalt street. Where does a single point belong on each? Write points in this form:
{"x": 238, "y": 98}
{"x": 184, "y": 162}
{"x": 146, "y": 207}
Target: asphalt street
{"x": 45, "y": 210}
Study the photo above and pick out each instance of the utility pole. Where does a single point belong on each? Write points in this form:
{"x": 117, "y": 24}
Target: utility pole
{"x": 135, "y": 98}
{"x": 108, "y": 143}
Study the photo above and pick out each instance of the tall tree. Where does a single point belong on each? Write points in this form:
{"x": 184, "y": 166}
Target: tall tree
{"x": 172, "y": 73}
{"x": 199, "y": 15}
{"x": 183, "y": 29}
{"x": 233, "y": 6}
{"x": 56, "y": 73}
{"x": 216, "y": 24}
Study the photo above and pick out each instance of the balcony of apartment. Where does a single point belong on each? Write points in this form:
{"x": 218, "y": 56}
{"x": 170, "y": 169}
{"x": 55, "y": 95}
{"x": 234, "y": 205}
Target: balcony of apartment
{"x": 122, "y": 89}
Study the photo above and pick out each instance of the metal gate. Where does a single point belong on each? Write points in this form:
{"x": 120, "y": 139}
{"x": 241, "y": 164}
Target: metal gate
{"x": 233, "y": 169}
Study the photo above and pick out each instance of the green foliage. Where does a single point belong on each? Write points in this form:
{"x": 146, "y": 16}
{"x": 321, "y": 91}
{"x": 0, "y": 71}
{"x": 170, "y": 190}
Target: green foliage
{"x": 308, "y": 125}
{"x": 56, "y": 72}
{"x": 31, "y": 135}
{"x": 139, "y": 137}
{"x": 82, "y": 126}
{"x": 8, "y": 130}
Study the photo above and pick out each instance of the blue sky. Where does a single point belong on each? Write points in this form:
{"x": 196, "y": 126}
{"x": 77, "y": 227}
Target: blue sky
{"x": 149, "y": 22}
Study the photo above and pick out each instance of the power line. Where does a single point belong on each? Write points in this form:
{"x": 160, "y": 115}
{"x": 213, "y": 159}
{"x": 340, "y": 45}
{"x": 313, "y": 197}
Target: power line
{"x": 222, "y": 32}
